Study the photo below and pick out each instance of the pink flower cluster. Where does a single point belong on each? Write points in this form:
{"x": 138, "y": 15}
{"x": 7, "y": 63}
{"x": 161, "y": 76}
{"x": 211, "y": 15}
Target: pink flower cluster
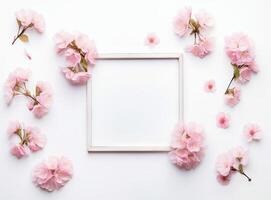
{"x": 228, "y": 163}
{"x": 187, "y": 146}
{"x": 184, "y": 24}
{"x": 80, "y": 52}
{"x": 30, "y": 138}
{"x": 27, "y": 19}
{"x": 39, "y": 102}
{"x": 53, "y": 174}
{"x": 240, "y": 50}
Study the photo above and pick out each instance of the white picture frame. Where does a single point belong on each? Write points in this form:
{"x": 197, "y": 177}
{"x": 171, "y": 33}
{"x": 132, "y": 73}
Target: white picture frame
{"x": 134, "y": 56}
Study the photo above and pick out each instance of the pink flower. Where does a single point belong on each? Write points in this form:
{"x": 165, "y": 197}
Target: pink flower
{"x": 252, "y": 132}
{"x": 181, "y": 22}
{"x": 231, "y": 162}
{"x": 83, "y": 42}
{"x": 204, "y": 19}
{"x": 152, "y": 40}
{"x": 245, "y": 74}
{"x": 13, "y": 128}
{"x": 40, "y": 106}
{"x": 222, "y": 120}
{"x": 239, "y": 49}
{"x": 233, "y": 96}
{"x": 72, "y": 56}
{"x": 223, "y": 164}
{"x": 209, "y": 86}
{"x": 19, "y": 151}
{"x": 240, "y": 156}
{"x": 62, "y": 40}
{"x": 38, "y": 22}
{"x": 24, "y": 17}
{"x": 37, "y": 141}
{"x": 77, "y": 78}
{"x": 223, "y": 180}
{"x": 17, "y": 78}
{"x": 201, "y": 49}
{"x": 187, "y": 146}
{"x": 91, "y": 55}
{"x": 53, "y": 174}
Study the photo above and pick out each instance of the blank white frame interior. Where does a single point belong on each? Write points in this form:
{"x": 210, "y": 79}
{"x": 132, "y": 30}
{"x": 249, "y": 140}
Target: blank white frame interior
{"x": 156, "y": 58}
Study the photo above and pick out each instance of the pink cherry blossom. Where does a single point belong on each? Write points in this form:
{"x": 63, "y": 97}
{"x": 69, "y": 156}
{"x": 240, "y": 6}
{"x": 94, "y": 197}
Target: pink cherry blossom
{"x": 62, "y": 40}
{"x": 204, "y": 19}
{"x": 152, "y": 40}
{"x": 28, "y": 19}
{"x": 232, "y": 97}
{"x": 16, "y": 79}
{"x": 83, "y": 42}
{"x": 239, "y": 49}
{"x": 230, "y": 162}
{"x": 223, "y": 180}
{"x": 91, "y": 55}
{"x": 72, "y": 56}
{"x": 187, "y": 146}
{"x": 252, "y": 132}
{"x": 78, "y": 78}
{"x": 13, "y": 127}
{"x": 38, "y": 22}
{"x": 240, "y": 157}
{"x": 222, "y": 120}
{"x": 53, "y": 174}
{"x": 41, "y": 103}
{"x": 202, "y": 48}
{"x": 24, "y": 17}
{"x": 245, "y": 74}
{"x": 224, "y": 163}
{"x": 19, "y": 151}
{"x": 181, "y": 22}
{"x": 209, "y": 86}
{"x": 37, "y": 140}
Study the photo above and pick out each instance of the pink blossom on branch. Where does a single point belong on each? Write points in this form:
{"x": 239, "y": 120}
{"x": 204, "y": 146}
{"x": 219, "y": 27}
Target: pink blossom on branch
{"x": 30, "y": 138}
{"x": 201, "y": 48}
{"x": 39, "y": 101}
{"x": 230, "y": 162}
{"x": 80, "y": 53}
{"x": 187, "y": 146}
{"x": 240, "y": 50}
{"x": 232, "y": 97}
{"x": 53, "y": 173}
{"x": 28, "y": 19}
{"x": 184, "y": 23}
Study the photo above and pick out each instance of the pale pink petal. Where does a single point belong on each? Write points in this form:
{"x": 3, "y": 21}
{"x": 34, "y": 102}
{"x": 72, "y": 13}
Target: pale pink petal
{"x": 222, "y": 120}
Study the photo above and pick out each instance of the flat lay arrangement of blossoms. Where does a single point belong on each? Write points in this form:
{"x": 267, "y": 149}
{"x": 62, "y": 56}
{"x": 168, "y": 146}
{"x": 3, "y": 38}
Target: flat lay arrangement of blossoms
{"x": 187, "y": 147}
{"x": 80, "y": 53}
{"x": 231, "y": 162}
{"x": 184, "y": 25}
{"x": 39, "y": 101}
{"x": 240, "y": 50}
{"x": 30, "y": 139}
{"x": 53, "y": 173}
{"x": 28, "y": 19}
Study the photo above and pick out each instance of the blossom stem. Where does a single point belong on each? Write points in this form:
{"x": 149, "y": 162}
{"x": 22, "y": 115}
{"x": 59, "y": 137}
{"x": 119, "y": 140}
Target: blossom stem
{"x": 195, "y": 38}
{"x": 226, "y": 92}
{"x": 18, "y": 35}
{"x": 243, "y": 173}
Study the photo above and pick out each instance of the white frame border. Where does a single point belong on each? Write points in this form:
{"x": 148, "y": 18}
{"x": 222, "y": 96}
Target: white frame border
{"x": 134, "y": 56}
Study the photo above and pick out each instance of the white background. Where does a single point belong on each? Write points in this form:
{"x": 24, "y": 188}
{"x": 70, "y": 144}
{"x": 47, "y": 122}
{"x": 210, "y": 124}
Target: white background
{"x": 121, "y": 26}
